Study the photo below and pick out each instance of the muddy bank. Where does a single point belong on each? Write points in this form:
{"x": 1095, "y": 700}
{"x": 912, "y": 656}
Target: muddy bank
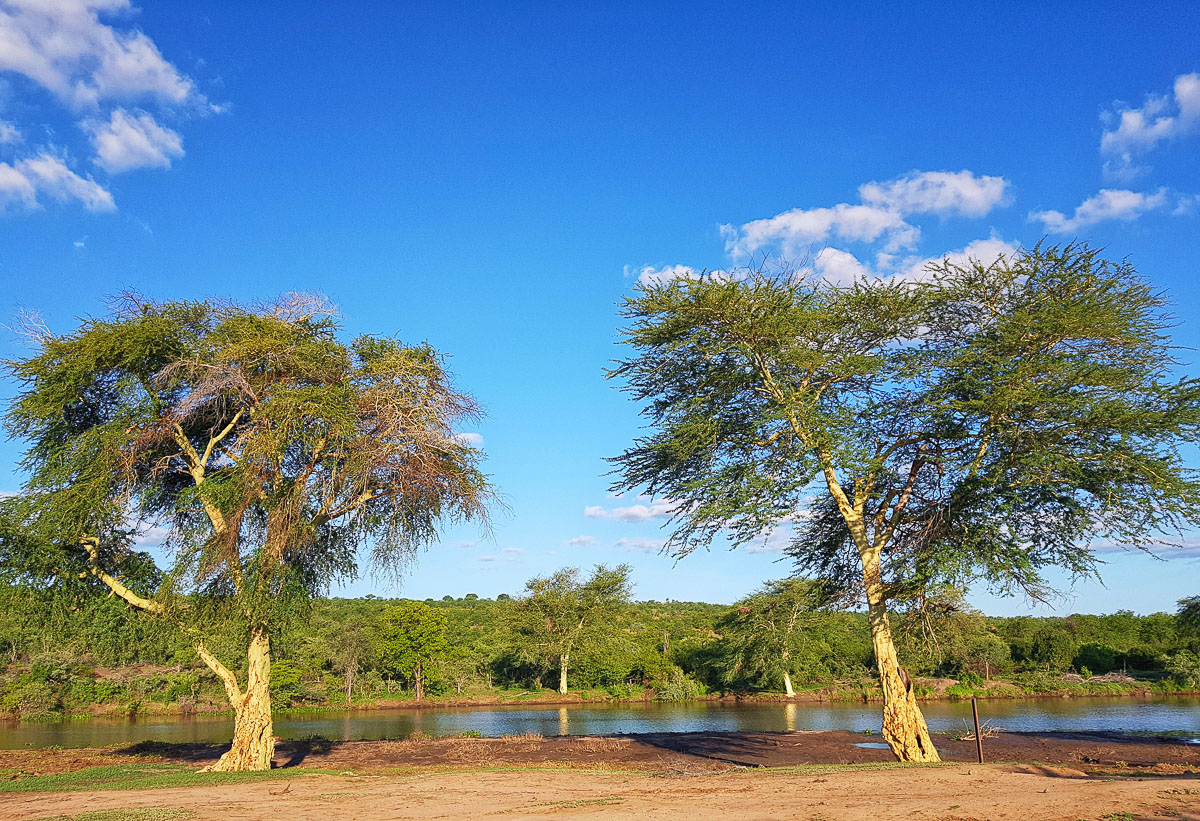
{"x": 658, "y": 752}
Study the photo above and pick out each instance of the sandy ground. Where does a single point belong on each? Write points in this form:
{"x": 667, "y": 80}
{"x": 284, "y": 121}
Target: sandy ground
{"x": 956, "y": 792}
{"x": 696, "y": 775}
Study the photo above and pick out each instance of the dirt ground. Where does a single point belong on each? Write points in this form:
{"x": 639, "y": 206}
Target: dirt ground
{"x": 703, "y": 775}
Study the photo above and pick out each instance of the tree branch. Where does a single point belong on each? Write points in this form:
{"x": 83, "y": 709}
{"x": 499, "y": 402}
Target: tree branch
{"x": 91, "y": 545}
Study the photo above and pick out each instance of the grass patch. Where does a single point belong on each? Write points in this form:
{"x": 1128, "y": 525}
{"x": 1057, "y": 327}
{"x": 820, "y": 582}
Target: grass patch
{"x": 141, "y": 777}
{"x": 582, "y": 802}
{"x": 821, "y": 769}
{"x": 141, "y": 814}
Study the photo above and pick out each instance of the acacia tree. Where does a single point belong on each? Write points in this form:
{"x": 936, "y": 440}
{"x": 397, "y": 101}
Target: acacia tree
{"x": 561, "y": 612}
{"x": 985, "y": 420}
{"x": 272, "y": 448}
{"x": 761, "y": 632}
{"x": 412, "y": 636}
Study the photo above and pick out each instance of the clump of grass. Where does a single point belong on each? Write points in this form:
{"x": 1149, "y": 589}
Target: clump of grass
{"x": 583, "y": 802}
{"x": 139, "y": 777}
{"x": 139, "y": 814}
{"x": 600, "y": 744}
{"x": 522, "y": 737}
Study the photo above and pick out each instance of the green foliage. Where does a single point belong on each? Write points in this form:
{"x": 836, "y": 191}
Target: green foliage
{"x": 286, "y": 682}
{"x": 765, "y": 635}
{"x": 1096, "y": 659}
{"x": 1052, "y": 647}
{"x": 411, "y": 635}
{"x": 1185, "y": 667}
{"x": 678, "y": 687}
{"x": 562, "y": 612}
{"x": 1188, "y": 617}
{"x": 984, "y": 422}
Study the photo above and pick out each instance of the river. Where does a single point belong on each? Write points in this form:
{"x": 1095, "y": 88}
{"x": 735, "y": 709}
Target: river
{"x": 1167, "y": 714}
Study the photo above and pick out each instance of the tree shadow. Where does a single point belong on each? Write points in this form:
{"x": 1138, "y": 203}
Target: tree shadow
{"x": 287, "y": 753}
{"x": 301, "y": 749}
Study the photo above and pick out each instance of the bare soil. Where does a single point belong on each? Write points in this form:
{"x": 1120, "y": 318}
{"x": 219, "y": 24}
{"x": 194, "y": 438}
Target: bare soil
{"x": 704, "y": 775}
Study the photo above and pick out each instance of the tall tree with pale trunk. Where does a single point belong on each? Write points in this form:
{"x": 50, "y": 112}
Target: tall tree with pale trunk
{"x": 984, "y": 421}
{"x": 563, "y": 613}
{"x": 271, "y": 448}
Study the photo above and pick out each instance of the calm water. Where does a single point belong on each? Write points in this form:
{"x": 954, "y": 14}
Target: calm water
{"x": 1179, "y": 714}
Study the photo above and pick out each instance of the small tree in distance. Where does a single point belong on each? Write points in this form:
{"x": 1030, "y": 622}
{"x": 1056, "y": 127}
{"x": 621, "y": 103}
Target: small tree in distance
{"x": 984, "y": 421}
{"x": 562, "y": 612}
{"x": 761, "y": 631}
{"x": 412, "y": 637}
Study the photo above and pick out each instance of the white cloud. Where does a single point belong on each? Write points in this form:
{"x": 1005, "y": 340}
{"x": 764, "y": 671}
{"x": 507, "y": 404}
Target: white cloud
{"x": 513, "y": 551}
{"x": 471, "y": 440}
{"x": 946, "y": 193}
{"x": 838, "y": 266}
{"x": 15, "y": 187}
{"x": 467, "y": 544}
{"x": 1134, "y": 131}
{"x": 92, "y": 60}
{"x": 128, "y": 141}
{"x": 633, "y": 513}
{"x": 1108, "y": 204}
{"x": 640, "y": 544}
{"x": 581, "y": 541}
{"x": 62, "y": 46}
{"x": 983, "y": 251}
{"x": 1186, "y": 205}
{"x": 26, "y": 179}
{"x": 880, "y": 217}
{"x": 794, "y": 232}
{"x": 649, "y": 275}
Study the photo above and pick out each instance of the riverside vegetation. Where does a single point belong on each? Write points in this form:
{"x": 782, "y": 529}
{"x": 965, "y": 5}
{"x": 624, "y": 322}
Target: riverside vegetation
{"x": 64, "y": 656}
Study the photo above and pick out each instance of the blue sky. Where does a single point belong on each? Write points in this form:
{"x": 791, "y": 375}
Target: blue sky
{"x": 494, "y": 178}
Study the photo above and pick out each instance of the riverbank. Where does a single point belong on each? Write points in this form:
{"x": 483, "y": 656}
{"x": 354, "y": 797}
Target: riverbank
{"x": 927, "y": 689}
{"x": 729, "y": 775}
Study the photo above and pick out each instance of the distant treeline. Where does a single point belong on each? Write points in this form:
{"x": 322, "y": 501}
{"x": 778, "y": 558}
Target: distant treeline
{"x": 64, "y": 655}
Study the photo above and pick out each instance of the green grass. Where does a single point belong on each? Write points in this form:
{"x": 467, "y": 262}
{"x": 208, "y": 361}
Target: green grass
{"x": 821, "y": 769}
{"x": 141, "y": 777}
{"x": 141, "y": 814}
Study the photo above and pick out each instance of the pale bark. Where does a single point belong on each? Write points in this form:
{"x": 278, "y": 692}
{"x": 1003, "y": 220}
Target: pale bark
{"x": 419, "y": 680}
{"x": 904, "y": 727}
{"x": 787, "y": 684}
{"x": 562, "y": 673}
{"x": 253, "y": 731}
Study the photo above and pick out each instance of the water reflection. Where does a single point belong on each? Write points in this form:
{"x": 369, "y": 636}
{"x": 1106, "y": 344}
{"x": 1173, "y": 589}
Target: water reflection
{"x": 1169, "y": 714}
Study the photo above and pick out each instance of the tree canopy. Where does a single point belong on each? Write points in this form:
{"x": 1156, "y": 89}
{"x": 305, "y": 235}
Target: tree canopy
{"x": 270, "y": 450}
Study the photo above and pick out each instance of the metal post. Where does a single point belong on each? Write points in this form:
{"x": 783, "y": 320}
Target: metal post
{"x": 978, "y": 734}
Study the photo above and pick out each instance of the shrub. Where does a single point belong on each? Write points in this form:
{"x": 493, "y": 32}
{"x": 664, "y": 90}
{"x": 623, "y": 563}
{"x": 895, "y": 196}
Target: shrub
{"x": 1185, "y": 667}
{"x": 1098, "y": 658}
{"x": 678, "y": 687}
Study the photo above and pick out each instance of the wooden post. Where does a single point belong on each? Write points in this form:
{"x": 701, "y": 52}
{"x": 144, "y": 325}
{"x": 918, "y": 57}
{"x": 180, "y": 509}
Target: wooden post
{"x": 978, "y": 734}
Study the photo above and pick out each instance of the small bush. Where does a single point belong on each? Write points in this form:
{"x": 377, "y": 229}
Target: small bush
{"x": 678, "y": 687}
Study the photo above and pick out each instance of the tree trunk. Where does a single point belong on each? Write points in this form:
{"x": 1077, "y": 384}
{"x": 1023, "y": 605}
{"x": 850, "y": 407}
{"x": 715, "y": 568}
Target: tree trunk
{"x": 787, "y": 684}
{"x": 349, "y": 682}
{"x": 904, "y": 727}
{"x": 562, "y": 673}
{"x": 419, "y": 680}
{"x": 253, "y": 731}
